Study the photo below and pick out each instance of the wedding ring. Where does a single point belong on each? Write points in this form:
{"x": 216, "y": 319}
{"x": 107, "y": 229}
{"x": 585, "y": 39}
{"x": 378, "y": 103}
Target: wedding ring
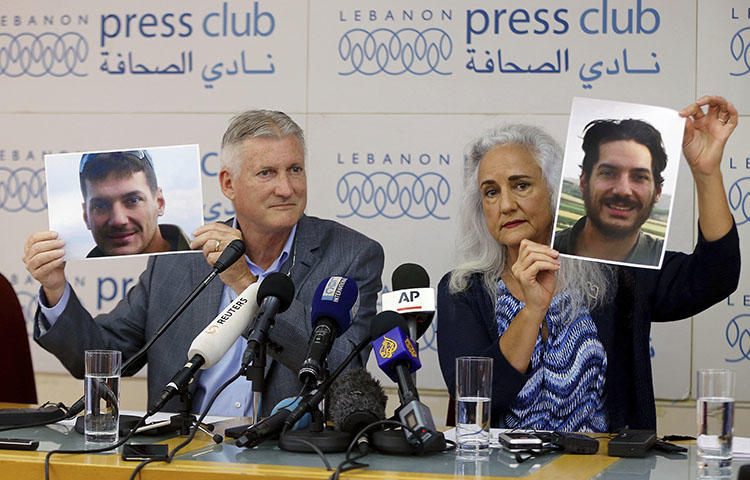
{"x": 218, "y": 243}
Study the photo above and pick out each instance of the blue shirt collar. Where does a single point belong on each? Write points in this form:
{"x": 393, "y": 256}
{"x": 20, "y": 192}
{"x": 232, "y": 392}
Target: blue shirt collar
{"x": 276, "y": 265}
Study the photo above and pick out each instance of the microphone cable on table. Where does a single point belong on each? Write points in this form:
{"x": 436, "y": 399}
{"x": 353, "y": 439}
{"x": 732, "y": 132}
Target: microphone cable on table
{"x": 194, "y": 429}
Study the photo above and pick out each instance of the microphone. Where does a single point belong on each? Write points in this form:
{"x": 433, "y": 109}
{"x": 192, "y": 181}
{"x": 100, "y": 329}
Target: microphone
{"x": 380, "y": 324}
{"x": 411, "y": 297}
{"x": 231, "y": 254}
{"x": 275, "y": 294}
{"x": 219, "y": 336}
{"x": 335, "y": 303}
{"x": 271, "y": 425}
{"x": 213, "y": 342}
{"x": 355, "y": 400}
{"x": 398, "y": 358}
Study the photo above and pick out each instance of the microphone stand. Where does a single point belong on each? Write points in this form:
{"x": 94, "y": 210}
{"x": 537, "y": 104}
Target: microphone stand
{"x": 255, "y": 372}
{"x": 184, "y": 420}
{"x": 318, "y": 436}
{"x": 327, "y": 440}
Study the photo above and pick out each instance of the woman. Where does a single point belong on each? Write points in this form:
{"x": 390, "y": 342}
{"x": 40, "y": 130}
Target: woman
{"x": 570, "y": 338}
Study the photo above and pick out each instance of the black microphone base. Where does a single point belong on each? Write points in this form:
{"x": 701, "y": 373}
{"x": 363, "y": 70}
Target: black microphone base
{"x": 328, "y": 441}
{"x": 394, "y": 442}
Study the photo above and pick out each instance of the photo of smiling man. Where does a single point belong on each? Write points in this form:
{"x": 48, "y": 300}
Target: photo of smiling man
{"x": 124, "y": 205}
{"x": 617, "y": 210}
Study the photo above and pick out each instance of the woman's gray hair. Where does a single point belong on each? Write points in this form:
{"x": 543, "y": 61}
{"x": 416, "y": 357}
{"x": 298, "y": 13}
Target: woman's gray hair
{"x": 477, "y": 250}
{"x": 254, "y": 124}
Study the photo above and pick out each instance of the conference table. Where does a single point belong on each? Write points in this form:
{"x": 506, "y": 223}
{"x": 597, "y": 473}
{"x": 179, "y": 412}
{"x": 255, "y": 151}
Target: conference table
{"x": 203, "y": 459}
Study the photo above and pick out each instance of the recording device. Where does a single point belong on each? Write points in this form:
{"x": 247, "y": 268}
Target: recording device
{"x": 631, "y": 443}
{"x": 397, "y": 356}
{"x": 275, "y": 294}
{"x": 517, "y": 441}
{"x": 576, "y": 443}
{"x": 355, "y": 400}
{"x": 145, "y": 451}
{"x": 411, "y": 297}
{"x": 334, "y": 305}
{"x": 27, "y": 416}
{"x": 212, "y": 343}
{"x": 18, "y": 444}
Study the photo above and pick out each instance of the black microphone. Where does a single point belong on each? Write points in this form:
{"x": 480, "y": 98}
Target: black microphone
{"x": 334, "y": 305}
{"x": 231, "y": 254}
{"x": 234, "y": 251}
{"x": 179, "y": 380}
{"x": 355, "y": 400}
{"x": 269, "y": 426}
{"x": 275, "y": 294}
{"x": 379, "y": 325}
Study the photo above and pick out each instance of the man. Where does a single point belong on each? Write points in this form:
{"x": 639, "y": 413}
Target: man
{"x": 621, "y": 181}
{"x": 263, "y": 174}
{"x": 121, "y": 205}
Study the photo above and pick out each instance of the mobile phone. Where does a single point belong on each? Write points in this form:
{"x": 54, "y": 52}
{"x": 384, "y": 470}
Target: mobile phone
{"x": 145, "y": 451}
{"x": 519, "y": 441}
{"x": 18, "y": 444}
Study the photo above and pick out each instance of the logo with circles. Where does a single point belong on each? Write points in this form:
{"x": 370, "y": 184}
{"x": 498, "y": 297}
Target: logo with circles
{"x": 392, "y": 196}
{"x": 43, "y": 54}
{"x": 739, "y": 200}
{"x": 738, "y": 337}
{"x": 23, "y": 189}
{"x": 395, "y": 52}
{"x": 739, "y": 47}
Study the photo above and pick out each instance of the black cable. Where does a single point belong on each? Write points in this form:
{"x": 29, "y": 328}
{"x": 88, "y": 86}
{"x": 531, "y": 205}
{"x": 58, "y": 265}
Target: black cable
{"x": 62, "y": 417}
{"x": 94, "y": 450}
{"x": 194, "y": 429}
{"x": 352, "y": 462}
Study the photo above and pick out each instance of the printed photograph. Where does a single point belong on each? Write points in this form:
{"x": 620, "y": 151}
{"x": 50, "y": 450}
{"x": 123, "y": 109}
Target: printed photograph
{"x": 139, "y": 201}
{"x": 618, "y": 182}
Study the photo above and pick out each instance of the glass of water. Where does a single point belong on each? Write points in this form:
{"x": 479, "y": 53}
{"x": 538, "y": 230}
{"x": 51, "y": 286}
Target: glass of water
{"x": 102, "y": 394}
{"x": 473, "y": 400}
{"x": 715, "y": 415}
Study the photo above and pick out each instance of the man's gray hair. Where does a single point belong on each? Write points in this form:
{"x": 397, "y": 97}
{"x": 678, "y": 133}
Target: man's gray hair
{"x": 254, "y": 124}
{"x": 477, "y": 250}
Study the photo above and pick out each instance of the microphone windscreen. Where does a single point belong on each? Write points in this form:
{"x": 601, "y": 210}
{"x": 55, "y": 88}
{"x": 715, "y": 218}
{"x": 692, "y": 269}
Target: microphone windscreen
{"x": 408, "y": 276}
{"x": 231, "y": 254}
{"x": 386, "y": 321}
{"x": 277, "y": 285}
{"x": 355, "y": 400}
{"x": 336, "y": 298}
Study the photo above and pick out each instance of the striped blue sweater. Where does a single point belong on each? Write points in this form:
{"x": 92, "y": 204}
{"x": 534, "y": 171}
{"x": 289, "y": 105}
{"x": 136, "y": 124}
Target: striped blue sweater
{"x": 565, "y": 391}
